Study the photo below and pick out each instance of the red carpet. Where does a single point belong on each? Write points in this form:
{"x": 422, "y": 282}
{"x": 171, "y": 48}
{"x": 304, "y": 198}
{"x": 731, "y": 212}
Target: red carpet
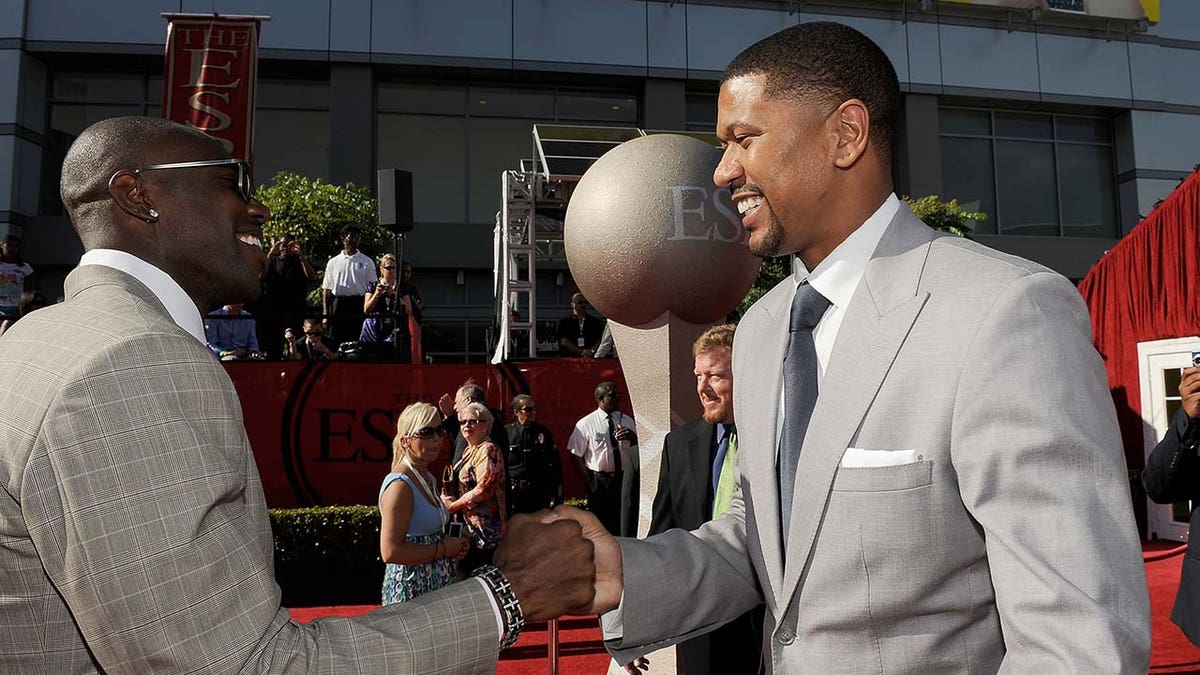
{"x": 579, "y": 647}
{"x": 580, "y": 650}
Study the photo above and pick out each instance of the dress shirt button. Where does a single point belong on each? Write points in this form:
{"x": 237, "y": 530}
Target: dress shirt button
{"x": 785, "y": 636}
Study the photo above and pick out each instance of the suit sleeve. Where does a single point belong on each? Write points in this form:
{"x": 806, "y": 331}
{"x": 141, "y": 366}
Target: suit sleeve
{"x": 1173, "y": 470}
{"x": 1042, "y": 469}
{"x": 146, "y": 507}
{"x": 665, "y": 576}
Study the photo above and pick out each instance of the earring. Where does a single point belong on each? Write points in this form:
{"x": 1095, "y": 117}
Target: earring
{"x": 153, "y": 213}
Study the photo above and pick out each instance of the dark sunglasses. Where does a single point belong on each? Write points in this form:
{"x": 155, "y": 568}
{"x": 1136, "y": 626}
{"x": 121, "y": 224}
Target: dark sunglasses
{"x": 313, "y": 332}
{"x": 466, "y": 423}
{"x": 388, "y": 267}
{"x": 428, "y": 432}
{"x": 532, "y": 408}
{"x": 245, "y": 173}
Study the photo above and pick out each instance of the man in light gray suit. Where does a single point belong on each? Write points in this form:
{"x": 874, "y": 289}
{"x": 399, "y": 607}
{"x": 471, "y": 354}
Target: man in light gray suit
{"x": 960, "y": 499}
{"x": 133, "y": 533}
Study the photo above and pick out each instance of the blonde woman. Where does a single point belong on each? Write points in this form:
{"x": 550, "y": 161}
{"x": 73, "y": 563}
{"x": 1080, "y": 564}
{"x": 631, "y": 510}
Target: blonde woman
{"x": 412, "y": 517}
{"x": 479, "y": 474}
{"x": 379, "y": 305}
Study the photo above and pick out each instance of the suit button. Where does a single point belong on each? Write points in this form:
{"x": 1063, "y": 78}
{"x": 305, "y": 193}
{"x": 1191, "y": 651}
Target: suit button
{"x": 785, "y": 636}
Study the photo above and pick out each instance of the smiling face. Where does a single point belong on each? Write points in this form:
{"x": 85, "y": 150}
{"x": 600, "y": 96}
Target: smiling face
{"x": 777, "y": 164}
{"x": 714, "y": 384}
{"x": 207, "y": 237}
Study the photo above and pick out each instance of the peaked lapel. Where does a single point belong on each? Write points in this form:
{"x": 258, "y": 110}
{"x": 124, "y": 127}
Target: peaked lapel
{"x": 878, "y": 319}
{"x": 693, "y": 475}
{"x": 757, "y": 381}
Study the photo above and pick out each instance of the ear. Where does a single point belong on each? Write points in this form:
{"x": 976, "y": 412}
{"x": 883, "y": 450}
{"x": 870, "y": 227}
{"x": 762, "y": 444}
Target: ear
{"x": 853, "y": 132}
{"x": 128, "y": 192}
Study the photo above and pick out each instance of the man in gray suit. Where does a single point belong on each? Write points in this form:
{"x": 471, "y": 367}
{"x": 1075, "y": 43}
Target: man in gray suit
{"x": 133, "y": 533}
{"x": 959, "y": 498}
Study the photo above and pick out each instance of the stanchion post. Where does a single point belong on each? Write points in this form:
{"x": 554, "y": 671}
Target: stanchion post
{"x": 552, "y": 644}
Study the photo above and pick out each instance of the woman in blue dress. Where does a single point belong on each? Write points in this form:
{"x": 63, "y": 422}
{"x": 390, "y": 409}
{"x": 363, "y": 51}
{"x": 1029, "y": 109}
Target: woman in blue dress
{"x": 419, "y": 558}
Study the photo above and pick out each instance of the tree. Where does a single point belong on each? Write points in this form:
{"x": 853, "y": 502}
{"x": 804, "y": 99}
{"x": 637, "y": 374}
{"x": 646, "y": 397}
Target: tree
{"x": 315, "y": 211}
{"x": 947, "y": 217}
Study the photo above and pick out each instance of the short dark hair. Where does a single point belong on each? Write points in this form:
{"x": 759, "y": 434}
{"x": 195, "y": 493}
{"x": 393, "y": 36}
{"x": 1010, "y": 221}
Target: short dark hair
{"x": 350, "y": 229}
{"x": 829, "y": 62}
{"x": 604, "y": 389}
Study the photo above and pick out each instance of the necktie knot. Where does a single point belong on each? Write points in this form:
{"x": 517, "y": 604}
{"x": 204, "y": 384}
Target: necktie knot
{"x": 807, "y": 308}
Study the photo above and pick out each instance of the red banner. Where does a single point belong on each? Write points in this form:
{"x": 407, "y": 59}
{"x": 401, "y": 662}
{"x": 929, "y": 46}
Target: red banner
{"x": 322, "y": 432}
{"x": 211, "y": 72}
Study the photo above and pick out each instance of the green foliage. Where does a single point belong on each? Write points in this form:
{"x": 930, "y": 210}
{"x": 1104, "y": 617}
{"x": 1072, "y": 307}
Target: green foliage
{"x": 327, "y": 555}
{"x": 315, "y": 211}
{"x": 773, "y": 271}
{"x": 945, "y": 216}
{"x": 345, "y": 535}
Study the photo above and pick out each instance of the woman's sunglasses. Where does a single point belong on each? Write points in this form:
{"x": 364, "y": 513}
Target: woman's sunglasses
{"x": 428, "y": 432}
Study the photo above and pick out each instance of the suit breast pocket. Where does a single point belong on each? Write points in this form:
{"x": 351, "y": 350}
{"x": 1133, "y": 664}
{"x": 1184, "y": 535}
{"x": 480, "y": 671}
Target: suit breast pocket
{"x": 884, "y": 478}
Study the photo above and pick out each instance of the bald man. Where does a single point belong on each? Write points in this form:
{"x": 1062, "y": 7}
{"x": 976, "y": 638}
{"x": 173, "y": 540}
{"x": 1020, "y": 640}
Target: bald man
{"x": 133, "y": 532}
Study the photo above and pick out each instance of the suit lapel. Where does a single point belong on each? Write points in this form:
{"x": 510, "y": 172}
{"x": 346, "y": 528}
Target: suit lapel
{"x": 878, "y": 319}
{"x": 699, "y": 461}
{"x": 764, "y": 368}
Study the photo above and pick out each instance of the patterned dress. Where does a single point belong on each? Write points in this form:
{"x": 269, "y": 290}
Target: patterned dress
{"x": 480, "y": 474}
{"x": 405, "y": 582}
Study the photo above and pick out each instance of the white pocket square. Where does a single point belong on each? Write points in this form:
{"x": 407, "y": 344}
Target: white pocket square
{"x": 862, "y": 457}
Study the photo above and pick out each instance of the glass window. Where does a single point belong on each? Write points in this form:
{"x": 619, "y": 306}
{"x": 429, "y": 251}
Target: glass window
{"x": 276, "y": 149}
{"x": 495, "y": 145}
{"x": 968, "y": 177}
{"x": 596, "y": 108}
{"x": 1021, "y": 125}
{"x": 1085, "y": 184}
{"x": 434, "y": 149}
{"x": 298, "y": 94}
{"x": 701, "y": 111}
{"x": 1026, "y": 198}
{"x": 495, "y": 102}
{"x": 419, "y": 97}
{"x": 1084, "y": 129}
{"x": 94, "y": 88}
{"x": 970, "y": 122}
{"x": 1031, "y": 173}
{"x": 73, "y": 118}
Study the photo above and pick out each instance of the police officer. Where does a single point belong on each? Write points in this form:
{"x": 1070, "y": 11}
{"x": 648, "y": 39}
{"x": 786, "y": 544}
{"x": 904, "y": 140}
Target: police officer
{"x": 534, "y": 467}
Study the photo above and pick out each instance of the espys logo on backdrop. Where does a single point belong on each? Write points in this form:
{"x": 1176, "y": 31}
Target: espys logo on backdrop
{"x": 692, "y": 222}
{"x": 212, "y": 53}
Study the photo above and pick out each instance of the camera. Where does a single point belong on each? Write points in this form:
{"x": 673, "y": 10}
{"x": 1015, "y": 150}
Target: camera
{"x": 454, "y": 529}
{"x": 1196, "y": 358}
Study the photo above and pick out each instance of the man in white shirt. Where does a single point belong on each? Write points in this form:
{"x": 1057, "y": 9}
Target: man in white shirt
{"x": 600, "y": 452}
{"x": 347, "y": 276}
{"x": 134, "y": 531}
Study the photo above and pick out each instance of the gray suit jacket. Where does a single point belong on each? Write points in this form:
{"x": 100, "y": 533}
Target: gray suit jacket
{"x": 133, "y": 533}
{"x": 1006, "y": 545}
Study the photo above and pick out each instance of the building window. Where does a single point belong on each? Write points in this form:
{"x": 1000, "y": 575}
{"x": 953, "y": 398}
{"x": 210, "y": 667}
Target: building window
{"x": 1034, "y": 174}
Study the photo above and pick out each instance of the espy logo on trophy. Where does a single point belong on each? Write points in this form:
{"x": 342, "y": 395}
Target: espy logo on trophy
{"x": 692, "y": 215}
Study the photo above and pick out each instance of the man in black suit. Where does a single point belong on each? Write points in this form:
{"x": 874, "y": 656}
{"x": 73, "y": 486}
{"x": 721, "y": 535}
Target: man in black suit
{"x": 1173, "y": 475}
{"x": 696, "y": 482}
{"x": 579, "y": 334}
{"x": 534, "y": 467}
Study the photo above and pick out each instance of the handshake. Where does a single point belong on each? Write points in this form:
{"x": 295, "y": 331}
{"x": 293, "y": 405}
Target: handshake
{"x": 561, "y": 562}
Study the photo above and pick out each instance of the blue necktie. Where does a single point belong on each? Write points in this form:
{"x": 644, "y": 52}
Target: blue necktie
{"x": 799, "y": 390}
{"x": 719, "y": 460}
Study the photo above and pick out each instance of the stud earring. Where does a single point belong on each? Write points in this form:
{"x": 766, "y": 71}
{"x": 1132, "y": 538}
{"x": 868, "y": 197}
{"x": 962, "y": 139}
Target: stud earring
{"x": 153, "y": 213}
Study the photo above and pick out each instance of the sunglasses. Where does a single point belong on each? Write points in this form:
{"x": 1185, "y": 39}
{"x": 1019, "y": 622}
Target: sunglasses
{"x": 313, "y": 332}
{"x": 532, "y": 408}
{"x": 467, "y": 423}
{"x": 428, "y": 432}
{"x": 388, "y": 267}
{"x": 245, "y": 173}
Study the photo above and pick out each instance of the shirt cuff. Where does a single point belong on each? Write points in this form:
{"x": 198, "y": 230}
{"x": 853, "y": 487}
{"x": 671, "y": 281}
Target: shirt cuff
{"x": 495, "y": 609}
{"x": 612, "y": 625}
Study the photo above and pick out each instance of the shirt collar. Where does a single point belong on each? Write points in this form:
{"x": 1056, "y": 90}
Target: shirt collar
{"x": 181, "y": 308}
{"x": 837, "y": 276}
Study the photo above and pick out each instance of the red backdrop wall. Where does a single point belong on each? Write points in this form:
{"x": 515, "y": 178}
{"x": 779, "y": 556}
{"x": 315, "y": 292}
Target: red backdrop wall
{"x": 321, "y": 432}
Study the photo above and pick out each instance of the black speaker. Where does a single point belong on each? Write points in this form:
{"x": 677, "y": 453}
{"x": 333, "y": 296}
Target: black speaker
{"x": 394, "y": 191}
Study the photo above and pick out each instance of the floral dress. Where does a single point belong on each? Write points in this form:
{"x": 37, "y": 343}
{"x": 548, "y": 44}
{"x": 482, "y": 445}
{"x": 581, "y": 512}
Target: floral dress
{"x": 405, "y": 582}
{"x": 480, "y": 474}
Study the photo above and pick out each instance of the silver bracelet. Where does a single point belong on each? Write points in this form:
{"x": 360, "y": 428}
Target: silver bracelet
{"x": 510, "y": 607}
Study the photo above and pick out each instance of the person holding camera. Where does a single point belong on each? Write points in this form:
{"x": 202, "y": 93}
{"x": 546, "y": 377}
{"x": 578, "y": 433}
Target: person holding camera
{"x": 419, "y": 557}
{"x": 1173, "y": 475}
{"x": 314, "y": 346}
{"x": 479, "y": 481}
{"x": 284, "y": 301}
{"x": 386, "y": 311}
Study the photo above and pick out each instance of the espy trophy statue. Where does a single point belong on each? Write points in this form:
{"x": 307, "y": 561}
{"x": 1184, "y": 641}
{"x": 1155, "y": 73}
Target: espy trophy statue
{"x": 660, "y": 251}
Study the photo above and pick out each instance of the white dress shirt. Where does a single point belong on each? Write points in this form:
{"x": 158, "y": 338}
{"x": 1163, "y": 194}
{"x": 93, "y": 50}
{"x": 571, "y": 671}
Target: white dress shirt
{"x": 349, "y": 274}
{"x": 179, "y": 305}
{"x": 590, "y": 440}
